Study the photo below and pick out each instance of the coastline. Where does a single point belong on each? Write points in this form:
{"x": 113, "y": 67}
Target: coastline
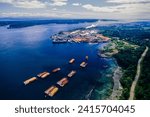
{"x": 117, "y": 88}
{"x": 109, "y": 49}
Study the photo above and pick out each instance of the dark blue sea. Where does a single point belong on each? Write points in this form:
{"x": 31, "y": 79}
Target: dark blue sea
{"x": 25, "y": 52}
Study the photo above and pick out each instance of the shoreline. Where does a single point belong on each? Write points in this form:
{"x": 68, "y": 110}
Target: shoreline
{"x": 117, "y": 75}
{"x": 117, "y": 88}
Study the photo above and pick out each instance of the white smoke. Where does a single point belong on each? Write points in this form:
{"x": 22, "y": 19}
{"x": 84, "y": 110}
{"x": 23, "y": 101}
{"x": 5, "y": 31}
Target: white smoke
{"x": 93, "y": 25}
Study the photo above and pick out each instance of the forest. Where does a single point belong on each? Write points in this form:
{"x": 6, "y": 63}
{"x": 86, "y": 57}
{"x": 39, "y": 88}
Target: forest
{"x": 136, "y": 33}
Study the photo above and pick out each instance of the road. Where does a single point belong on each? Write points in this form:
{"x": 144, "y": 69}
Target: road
{"x": 138, "y": 72}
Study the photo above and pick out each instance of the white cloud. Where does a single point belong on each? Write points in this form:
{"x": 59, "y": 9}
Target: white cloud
{"x": 27, "y": 14}
{"x": 111, "y": 9}
{"x": 30, "y": 4}
{"x": 121, "y": 11}
{"x": 6, "y": 1}
{"x": 99, "y": 9}
{"x": 59, "y": 2}
{"x": 25, "y": 3}
{"x": 54, "y": 9}
{"x": 128, "y": 1}
{"x": 76, "y": 4}
{"x": 122, "y": 8}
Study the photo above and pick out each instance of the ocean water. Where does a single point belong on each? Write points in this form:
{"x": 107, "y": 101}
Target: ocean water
{"x": 25, "y": 52}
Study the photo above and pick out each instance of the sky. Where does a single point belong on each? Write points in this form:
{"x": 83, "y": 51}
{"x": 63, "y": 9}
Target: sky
{"x": 93, "y": 9}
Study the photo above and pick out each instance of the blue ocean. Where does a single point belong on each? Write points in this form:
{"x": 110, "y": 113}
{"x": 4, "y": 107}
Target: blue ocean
{"x": 28, "y": 51}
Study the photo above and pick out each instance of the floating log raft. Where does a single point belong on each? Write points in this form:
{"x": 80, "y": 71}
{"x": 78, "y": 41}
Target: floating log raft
{"x": 43, "y": 74}
{"x": 86, "y": 57}
{"x": 72, "y": 61}
{"x": 83, "y": 64}
{"x": 30, "y": 80}
{"x": 51, "y": 91}
{"x": 63, "y": 82}
{"x": 56, "y": 70}
{"x": 72, "y": 73}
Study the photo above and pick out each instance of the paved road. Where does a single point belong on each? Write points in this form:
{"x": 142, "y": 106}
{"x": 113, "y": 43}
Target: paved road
{"x": 138, "y": 72}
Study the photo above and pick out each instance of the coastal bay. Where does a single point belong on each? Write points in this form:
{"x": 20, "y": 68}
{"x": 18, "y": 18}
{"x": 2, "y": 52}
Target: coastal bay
{"x": 25, "y": 53}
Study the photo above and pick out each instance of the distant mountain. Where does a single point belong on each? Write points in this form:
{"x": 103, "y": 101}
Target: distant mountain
{"x": 20, "y": 23}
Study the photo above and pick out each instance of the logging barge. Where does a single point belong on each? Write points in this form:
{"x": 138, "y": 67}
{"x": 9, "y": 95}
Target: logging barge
{"x": 72, "y": 73}
{"x": 51, "y": 91}
{"x": 43, "y": 74}
{"x": 30, "y": 80}
{"x": 56, "y": 70}
{"x": 63, "y": 82}
{"x": 72, "y": 61}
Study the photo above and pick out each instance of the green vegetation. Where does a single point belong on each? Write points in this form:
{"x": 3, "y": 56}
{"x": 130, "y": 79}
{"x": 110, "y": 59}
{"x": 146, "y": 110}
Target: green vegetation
{"x": 134, "y": 33}
{"x": 127, "y": 56}
{"x": 128, "y": 59}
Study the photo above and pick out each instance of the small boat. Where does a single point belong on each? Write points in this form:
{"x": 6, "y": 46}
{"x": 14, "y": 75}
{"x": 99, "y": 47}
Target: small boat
{"x": 30, "y": 80}
{"x": 56, "y": 70}
{"x": 43, "y": 74}
{"x": 63, "y": 82}
{"x": 72, "y": 73}
{"x": 72, "y": 61}
{"x": 51, "y": 91}
{"x": 83, "y": 64}
{"x": 86, "y": 57}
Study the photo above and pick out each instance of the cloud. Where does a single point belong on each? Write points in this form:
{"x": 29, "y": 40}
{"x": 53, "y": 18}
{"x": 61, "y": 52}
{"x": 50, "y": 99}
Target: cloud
{"x": 6, "y": 1}
{"x": 25, "y": 3}
{"x": 30, "y": 4}
{"x": 128, "y": 1}
{"x": 51, "y": 8}
{"x": 76, "y": 4}
{"x": 28, "y": 14}
{"x": 100, "y": 9}
{"x": 121, "y": 8}
{"x": 59, "y": 2}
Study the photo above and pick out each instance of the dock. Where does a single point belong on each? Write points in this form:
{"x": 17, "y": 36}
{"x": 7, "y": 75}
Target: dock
{"x": 30, "y": 80}
{"x": 83, "y": 64}
{"x": 51, "y": 91}
{"x": 43, "y": 74}
{"x": 63, "y": 82}
{"x": 56, "y": 70}
{"x": 72, "y": 61}
{"x": 72, "y": 73}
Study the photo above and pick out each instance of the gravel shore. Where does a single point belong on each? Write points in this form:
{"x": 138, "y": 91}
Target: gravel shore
{"x": 117, "y": 88}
